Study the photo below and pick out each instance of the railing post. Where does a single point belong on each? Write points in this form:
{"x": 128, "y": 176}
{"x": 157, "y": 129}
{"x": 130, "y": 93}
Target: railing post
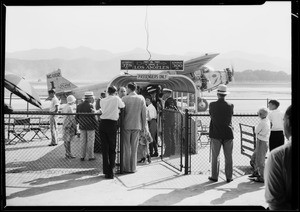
{"x": 186, "y": 166}
{"x": 121, "y": 140}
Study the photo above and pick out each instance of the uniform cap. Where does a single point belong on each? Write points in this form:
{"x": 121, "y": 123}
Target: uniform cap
{"x": 167, "y": 90}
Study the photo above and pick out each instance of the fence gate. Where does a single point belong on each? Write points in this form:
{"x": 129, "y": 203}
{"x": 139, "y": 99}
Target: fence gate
{"x": 172, "y": 144}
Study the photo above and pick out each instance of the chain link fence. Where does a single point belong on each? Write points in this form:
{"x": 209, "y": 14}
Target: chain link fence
{"x": 27, "y": 137}
{"x": 200, "y": 150}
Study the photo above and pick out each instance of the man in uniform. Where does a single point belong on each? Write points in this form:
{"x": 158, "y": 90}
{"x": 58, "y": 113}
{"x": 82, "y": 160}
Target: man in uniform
{"x": 170, "y": 125}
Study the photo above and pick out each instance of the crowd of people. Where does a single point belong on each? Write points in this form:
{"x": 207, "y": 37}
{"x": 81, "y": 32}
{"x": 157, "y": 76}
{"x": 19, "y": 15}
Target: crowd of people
{"x": 142, "y": 126}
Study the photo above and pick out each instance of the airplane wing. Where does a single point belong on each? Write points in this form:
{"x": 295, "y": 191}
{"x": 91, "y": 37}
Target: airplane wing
{"x": 193, "y": 65}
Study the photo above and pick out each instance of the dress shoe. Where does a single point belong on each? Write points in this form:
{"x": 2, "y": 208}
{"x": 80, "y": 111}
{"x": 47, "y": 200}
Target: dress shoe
{"x": 52, "y": 144}
{"x": 92, "y": 159}
{"x": 70, "y": 156}
{"x": 257, "y": 179}
{"x": 155, "y": 155}
{"x": 142, "y": 160}
{"x": 212, "y": 179}
{"x": 82, "y": 159}
{"x": 255, "y": 174}
{"x": 229, "y": 180}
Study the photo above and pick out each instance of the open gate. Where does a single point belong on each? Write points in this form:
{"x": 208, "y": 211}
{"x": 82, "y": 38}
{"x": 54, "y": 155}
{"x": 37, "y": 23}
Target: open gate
{"x": 172, "y": 146}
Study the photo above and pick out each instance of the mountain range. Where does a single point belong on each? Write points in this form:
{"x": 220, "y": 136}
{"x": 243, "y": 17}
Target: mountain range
{"x": 86, "y": 64}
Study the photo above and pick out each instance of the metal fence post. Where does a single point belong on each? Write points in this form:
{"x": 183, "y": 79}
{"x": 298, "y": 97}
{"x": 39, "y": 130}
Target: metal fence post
{"x": 186, "y": 166}
{"x": 121, "y": 140}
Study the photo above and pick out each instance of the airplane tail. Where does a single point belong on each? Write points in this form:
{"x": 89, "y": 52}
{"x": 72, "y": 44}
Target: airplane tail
{"x": 59, "y": 83}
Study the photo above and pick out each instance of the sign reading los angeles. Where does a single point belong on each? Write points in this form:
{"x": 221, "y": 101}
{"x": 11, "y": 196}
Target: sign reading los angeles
{"x": 164, "y": 65}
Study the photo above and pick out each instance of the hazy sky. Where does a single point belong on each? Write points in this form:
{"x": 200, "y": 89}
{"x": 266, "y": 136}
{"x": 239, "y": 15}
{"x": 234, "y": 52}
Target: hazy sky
{"x": 264, "y": 29}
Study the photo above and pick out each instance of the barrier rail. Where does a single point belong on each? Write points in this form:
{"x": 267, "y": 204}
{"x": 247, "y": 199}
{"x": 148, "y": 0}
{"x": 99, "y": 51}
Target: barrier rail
{"x": 199, "y": 155}
{"x": 195, "y": 156}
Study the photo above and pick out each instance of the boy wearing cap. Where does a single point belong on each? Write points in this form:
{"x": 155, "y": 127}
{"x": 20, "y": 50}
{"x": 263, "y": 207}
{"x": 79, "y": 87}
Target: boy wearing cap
{"x": 221, "y": 133}
{"x": 262, "y": 131}
{"x": 276, "y": 119}
{"x": 87, "y": 126}
{"x": 69, "y": 125}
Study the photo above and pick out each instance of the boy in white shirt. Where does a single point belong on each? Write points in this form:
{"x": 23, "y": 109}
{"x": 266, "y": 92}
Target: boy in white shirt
{"x": 276, "y": 119}
{"x": 262, "y": 131}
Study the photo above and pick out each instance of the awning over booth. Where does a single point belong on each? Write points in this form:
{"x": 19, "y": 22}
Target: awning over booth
{"x": 178, "y": 83}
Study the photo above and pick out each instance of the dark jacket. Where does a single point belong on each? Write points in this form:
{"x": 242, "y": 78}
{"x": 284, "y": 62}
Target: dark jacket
{"x": 171, "y": 104}
{"x": 221, "y": 116}
{"x": 86, "y": 122}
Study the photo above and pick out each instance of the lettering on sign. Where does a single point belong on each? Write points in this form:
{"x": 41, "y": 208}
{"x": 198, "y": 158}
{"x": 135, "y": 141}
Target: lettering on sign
{"x": 54, "y": 74}
{"x": 152, "y": 77}
{"x": 65, "y": 85}
{"x": 152, "y": 65}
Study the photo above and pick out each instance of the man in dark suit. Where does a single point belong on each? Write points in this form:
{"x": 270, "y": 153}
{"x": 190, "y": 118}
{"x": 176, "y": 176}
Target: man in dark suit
{"x": 221, "y": 133}
{"x": 87, "y": 126}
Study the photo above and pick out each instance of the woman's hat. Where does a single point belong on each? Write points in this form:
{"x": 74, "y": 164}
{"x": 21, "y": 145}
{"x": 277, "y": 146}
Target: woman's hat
{"x": 71, "y": 99}
{"x": 222, "y": 89}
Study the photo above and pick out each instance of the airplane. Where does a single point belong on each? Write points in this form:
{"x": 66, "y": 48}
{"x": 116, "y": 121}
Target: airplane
{"x": 64, "y": 87}
{"x": 204, "y": 77}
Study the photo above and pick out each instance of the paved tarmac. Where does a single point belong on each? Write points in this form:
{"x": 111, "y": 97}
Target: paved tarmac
{"x": 154, "y": 184}
{"x": 39, "y": 175}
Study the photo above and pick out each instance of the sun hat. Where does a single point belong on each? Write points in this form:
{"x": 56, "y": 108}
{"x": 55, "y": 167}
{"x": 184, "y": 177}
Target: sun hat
{"x": 222, "y": 89}
{"x": 71, "y": 99}
{"x": 89, "y": 94}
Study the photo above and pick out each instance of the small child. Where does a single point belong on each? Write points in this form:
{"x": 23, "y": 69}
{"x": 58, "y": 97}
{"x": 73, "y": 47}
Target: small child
{"x": 144, "y": 140}
{"x": 262, "y": 131}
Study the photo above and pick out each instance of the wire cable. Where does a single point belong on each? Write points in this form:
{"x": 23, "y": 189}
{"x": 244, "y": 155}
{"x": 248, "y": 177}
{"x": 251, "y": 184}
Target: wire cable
{"x": 147, "y": 33}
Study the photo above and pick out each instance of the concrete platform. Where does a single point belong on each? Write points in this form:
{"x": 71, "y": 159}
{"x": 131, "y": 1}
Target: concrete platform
{"x": 39, "y": 175}
{"x": 155, "y": 184}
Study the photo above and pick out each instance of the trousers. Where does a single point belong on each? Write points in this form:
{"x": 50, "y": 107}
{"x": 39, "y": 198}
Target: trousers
{"x": 260, "y": 155}
{"x": 130, "y": 146}
{"x": 53, "y": 129}
{"x": 153, "y": 131}
{"x": 276, "y": 139}
{"x": 108, "y": 137}
{"x": 87, "y": 139}
{"x": 216, "y": 145}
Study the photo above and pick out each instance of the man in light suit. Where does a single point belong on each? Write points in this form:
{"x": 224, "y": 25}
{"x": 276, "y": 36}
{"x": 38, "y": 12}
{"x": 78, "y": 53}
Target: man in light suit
{"x": 134, "y": 123}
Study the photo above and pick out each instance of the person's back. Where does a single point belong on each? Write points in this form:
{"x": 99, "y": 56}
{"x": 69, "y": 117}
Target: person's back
{"x": 221, "y": 116}
{"x": 278, "y": 172}
{"x": 280, "y": 160}
{"x": 86, "y": 122}
{"x": 110, "y": 107}
{"x": 135, "y": 104}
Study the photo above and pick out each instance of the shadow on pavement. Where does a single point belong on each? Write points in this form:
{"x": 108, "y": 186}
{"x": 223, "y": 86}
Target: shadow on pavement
{"x": 178, "y": 195}
{"x": 232, "y": 193}
{"x": 71, "y": 181}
